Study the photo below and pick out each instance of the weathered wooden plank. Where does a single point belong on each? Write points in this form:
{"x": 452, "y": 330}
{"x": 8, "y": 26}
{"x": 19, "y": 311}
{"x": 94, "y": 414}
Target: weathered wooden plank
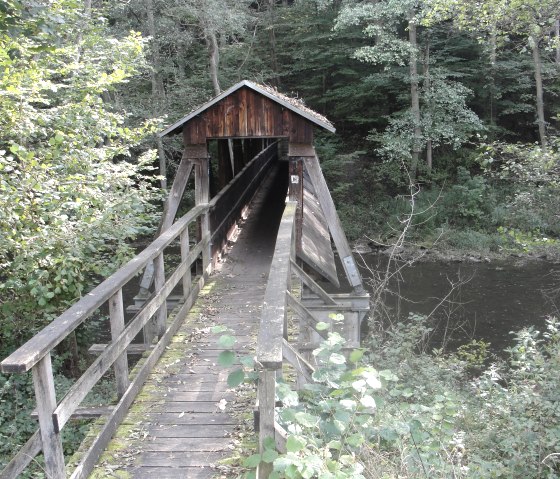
{"x": 300, "y": 149}
{"x": 296, "y": 194}
{"x": 186, "y": 431}
{"x": 49, "y": 337}
{"x": 186, "y": 445}
{"x": 323, "y": 194}
{"x": 316, "y": 248}
{"x": 192, "y": 396}
{"x": 23, "y": 458}
{"x": 171, "y": 460}
{"x": 312, "y": 285}
{"x": 116, "y": 315}
{"x": 266, "y": 395}
{"x": 96, "y": 349}
{"x": 86, "y": 412}
{"x": 90, "y": 458}
{"x": 271, "y": 330}
{"x": 188, "y": 407}
{"x": 45, "y": 395}
{"x": 304, "y": 314}
{"x": 176, "y": 419}
{"x": 159, "y": 282}
{"x": 172, "y": 473}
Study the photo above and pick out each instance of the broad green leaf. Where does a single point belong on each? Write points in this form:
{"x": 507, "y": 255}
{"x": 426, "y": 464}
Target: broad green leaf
{"x": 226, "y": 358}
{"x": 306, "y": 419}
{"x": 252, "y": 461}
{"x": 226, "y": 341}
{"x": 236, "y": 378}
{"x": 356, "y": 355}
{"x": 322, "y": 326}
{"x": 337, "y": 358}
{"x": 295, "y": 443}
{"x": 269, "y": 455}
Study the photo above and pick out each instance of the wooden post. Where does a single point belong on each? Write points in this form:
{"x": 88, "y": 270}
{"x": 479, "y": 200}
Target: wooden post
{"x": 185, "y": 248}
{"x": 202, "y": 196}
{"x": 116, "y": 315}
{"x": 169, "y": 211}
{"x": 296, "y": 194}
{"x": 161, "y": 315}
{"x": 46, "y": 404}
{"x": 267, "y": 403}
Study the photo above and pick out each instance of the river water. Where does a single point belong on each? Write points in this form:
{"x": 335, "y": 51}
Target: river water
{"x": 487, "y": 301}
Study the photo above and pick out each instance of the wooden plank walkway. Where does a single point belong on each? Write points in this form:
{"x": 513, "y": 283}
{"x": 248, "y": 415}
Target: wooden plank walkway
{"x": 176, "y": 428}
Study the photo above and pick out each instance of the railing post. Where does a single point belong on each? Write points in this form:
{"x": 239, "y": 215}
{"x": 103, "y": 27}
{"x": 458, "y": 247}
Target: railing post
{"x": 116, "y": 315}
{"x": 46, "y": 404}
{"x": 267, "y": 403}
{"x": 159, "y": 282}
{"x": 185, "y": 249}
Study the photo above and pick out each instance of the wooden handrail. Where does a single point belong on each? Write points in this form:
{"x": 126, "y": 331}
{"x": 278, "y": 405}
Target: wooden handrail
{"x": 273, "y": 328}
{"x": 36, "y": 353}
{"x": 24, "y": 358}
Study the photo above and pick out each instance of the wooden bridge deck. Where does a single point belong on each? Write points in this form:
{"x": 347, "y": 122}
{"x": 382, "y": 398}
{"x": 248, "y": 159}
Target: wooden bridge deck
{"x": 176, "y": 427}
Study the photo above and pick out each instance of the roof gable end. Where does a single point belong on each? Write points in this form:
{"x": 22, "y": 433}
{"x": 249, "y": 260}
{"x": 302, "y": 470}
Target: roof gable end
{"x": 290, "y": 103}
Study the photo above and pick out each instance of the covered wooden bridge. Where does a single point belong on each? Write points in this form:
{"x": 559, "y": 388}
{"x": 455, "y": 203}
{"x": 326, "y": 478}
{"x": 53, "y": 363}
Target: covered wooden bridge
{"x": 260, "y": 197}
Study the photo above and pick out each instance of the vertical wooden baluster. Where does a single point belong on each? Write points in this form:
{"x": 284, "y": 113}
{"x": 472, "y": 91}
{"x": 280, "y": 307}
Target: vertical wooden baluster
{"x": 185, "y": 249}
{"x": 46, "y": 404}
{"x": 159, "y": 282}
{"x": 267, "y": 403}
{"x": 116, "y": 315}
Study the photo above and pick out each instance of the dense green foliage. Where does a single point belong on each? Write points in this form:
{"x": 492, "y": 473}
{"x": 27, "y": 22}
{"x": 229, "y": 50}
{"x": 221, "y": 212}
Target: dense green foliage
{"x": 419, "y": 414}
{"x": 447, "y": 116}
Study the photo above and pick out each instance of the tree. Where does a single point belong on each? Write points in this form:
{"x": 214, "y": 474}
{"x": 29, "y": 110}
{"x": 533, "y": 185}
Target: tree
{"x": 71, "y": 192}
{"x": 410, "y": 131}
{"x": 531, "y": 20}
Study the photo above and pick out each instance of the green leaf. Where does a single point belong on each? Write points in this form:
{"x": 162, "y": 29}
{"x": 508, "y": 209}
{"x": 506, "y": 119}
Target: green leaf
{"x": 356, "y": 355}
{"x": 236, "y": 378}
{"x": 306, "y": 419}
{"x": 368, "y": 402}
{"x": 322, "y": 326}
{"x": 336, "y": 358}
{"x": 226, "y": 358}
{"x": 269, "y": 455}
{"x": 252, "y": 461}
{"x": 295, "y": 443}
{"x": 226, "y": 341}
{"x": 269, "y": 443}
{"x": 218, "y": 329}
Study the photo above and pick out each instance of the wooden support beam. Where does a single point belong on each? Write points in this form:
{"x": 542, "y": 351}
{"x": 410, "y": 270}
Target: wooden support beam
{"x": 45, "y": 395}
{"x": 170, "y": 209}
{"x": 295, "y": 193}
{"x": 132, "y": 349}
{"x": 267, "y": 402}
{"x": 323, "y": 194}
{"x": 312, "y": 285}
{"x": 23, "y": 458}
{"x": 301, "y": 365}
{"x": 85, "y": 412}
{"x": 304, "y": 314}
{"x": 116, "y": 315}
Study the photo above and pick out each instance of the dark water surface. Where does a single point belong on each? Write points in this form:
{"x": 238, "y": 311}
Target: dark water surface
{"x": 489, "y": 301}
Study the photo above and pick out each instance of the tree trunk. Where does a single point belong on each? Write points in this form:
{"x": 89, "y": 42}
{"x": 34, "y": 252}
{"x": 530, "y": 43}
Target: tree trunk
{"x": 415, "y": 99}
{"x": 272, "y": 40}
{"x": 557, "y": 33}
{"x": 158, "y": 91}
{"x": 493, "y": 60}
{"x": 214, "y": 51}
{"x": 428, "y": 86}
{"x": 539, "y": 87}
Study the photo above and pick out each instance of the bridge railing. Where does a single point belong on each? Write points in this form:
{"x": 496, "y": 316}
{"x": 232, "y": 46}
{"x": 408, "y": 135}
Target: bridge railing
{"x": 273, "y": 347}
{"x": 35, "y": 355}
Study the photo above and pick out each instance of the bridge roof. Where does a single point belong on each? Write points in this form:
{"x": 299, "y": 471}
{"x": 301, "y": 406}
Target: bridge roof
{"x": 293, "y": 104}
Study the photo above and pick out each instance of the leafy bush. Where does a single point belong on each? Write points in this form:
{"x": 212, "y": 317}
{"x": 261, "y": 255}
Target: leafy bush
{"x": 419, "y": 414}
